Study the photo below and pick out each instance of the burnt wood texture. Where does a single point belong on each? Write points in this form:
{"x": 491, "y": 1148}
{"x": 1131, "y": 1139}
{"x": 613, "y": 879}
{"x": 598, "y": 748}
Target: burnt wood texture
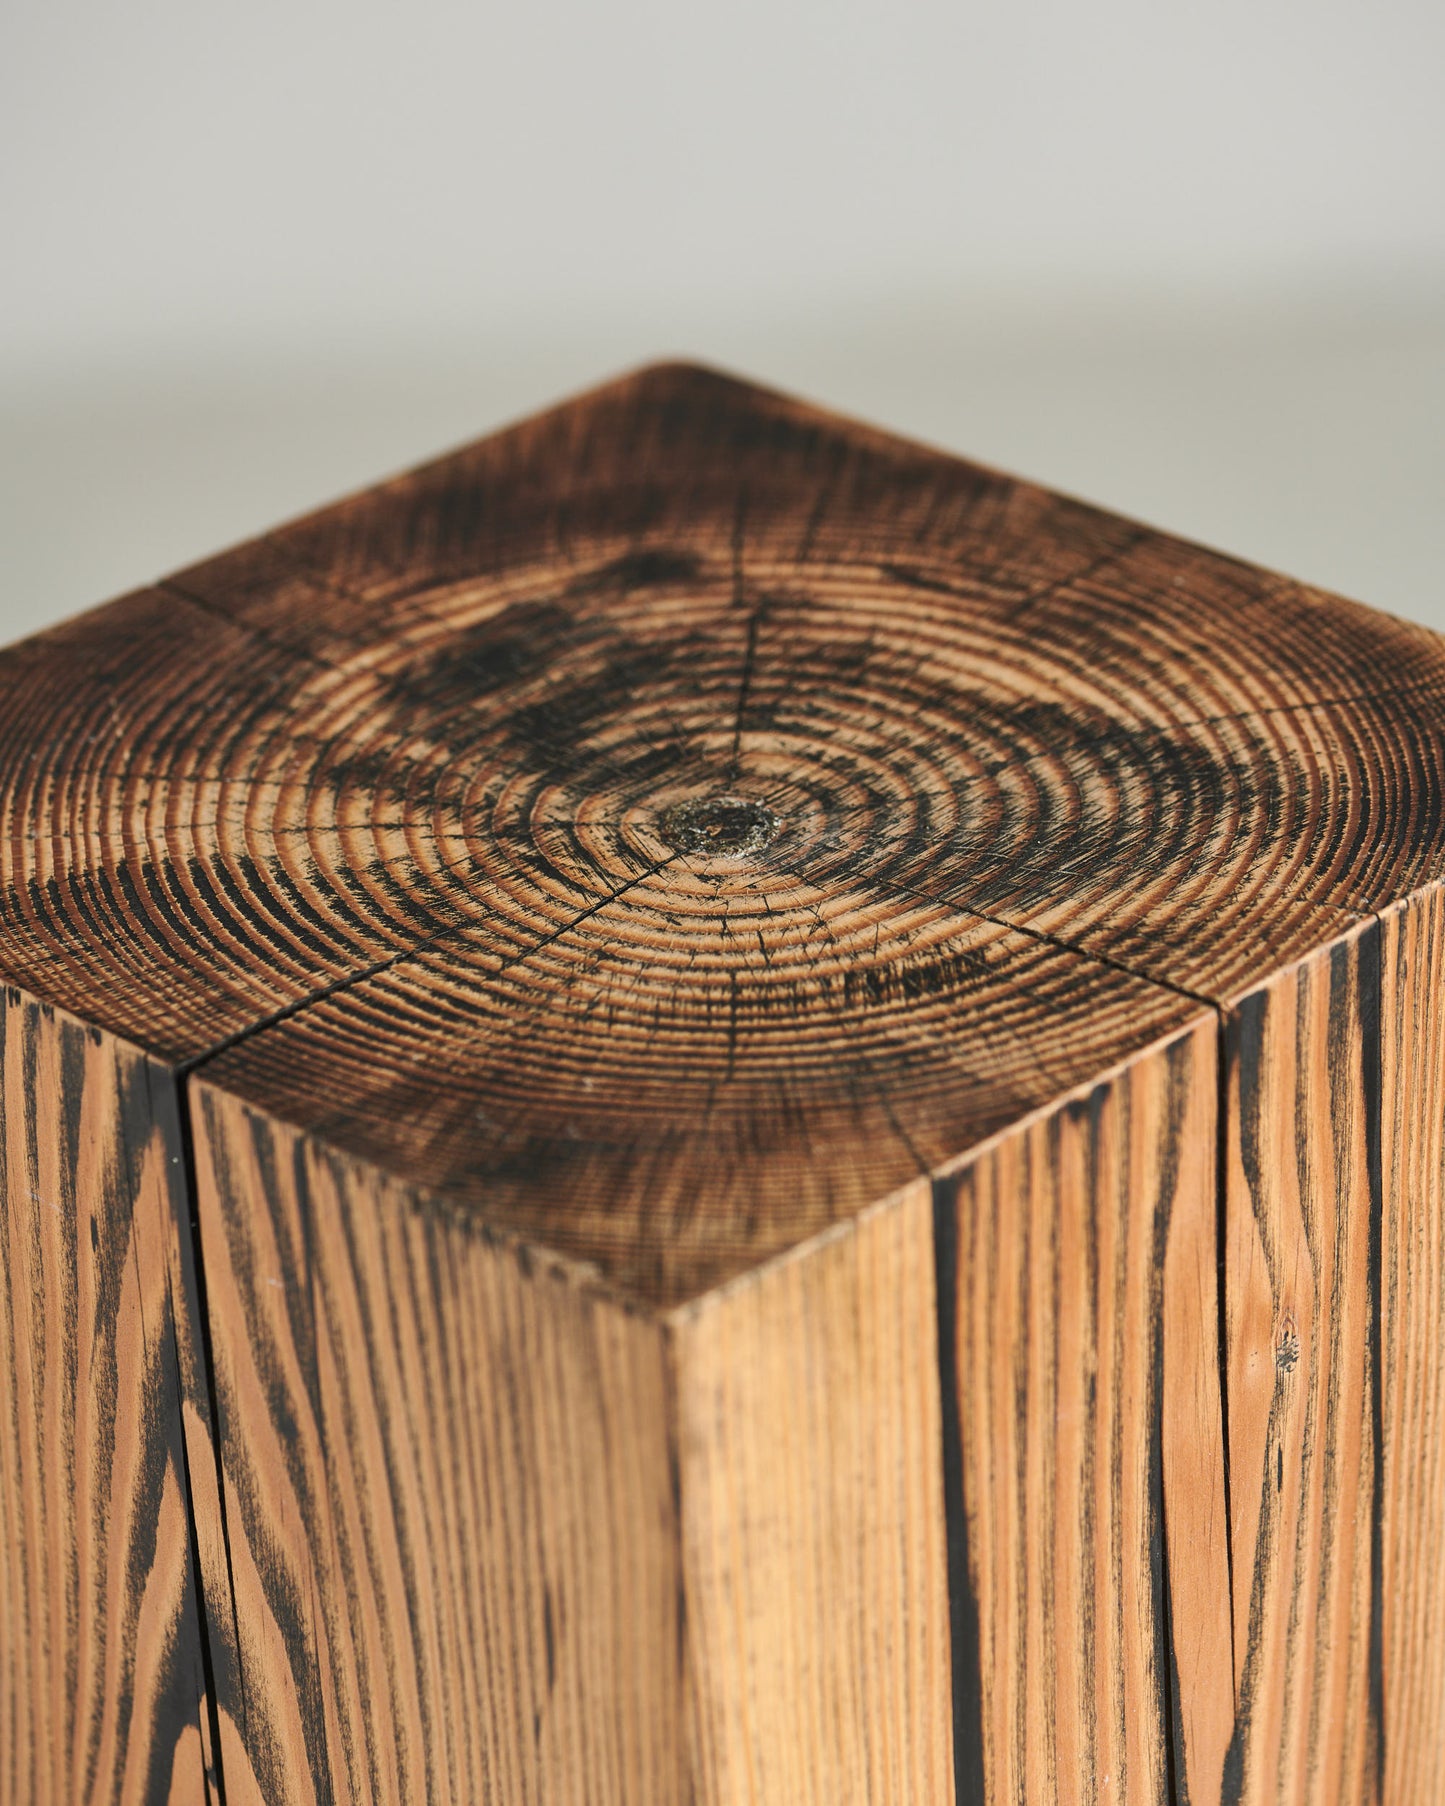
{"x": 700, "y": 1108}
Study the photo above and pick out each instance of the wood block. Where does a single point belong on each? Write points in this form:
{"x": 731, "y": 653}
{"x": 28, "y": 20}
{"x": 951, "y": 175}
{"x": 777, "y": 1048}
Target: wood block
{"x": 703, "y": 1108}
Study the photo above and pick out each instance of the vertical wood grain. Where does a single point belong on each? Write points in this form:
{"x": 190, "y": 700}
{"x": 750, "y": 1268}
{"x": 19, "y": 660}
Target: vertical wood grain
{"x": 448, "y": 1506}
{"x": 1412, "y": 1020}
{"x": 1302, "y": 1199}
{"x": 1081, "y": 1327}
{"x": 1173, "y": 1122}
{"x": 102, "y": 1683}
{"x": 814, "y": 1559}
{"x": 660, "y": 834}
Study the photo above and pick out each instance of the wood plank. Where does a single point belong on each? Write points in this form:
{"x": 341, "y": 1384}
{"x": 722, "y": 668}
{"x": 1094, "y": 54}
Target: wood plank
{"x": 1087, "y": 1511}
{"x": 1301, "y": 1265}
{"x": 102, "y": 1677}
{"x": 814, "y": 1561}
{"x": 447, "y": 1496}
{"x": 1412, "y": 1598}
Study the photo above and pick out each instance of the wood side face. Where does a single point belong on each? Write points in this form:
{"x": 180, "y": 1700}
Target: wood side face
{"x": 102, "y": 1682}
{"x": 449, "y": 1512}
{"x": 1412, "y": 1019}
{"x": 1082, "y": 1424}
{"x": 814, "y": 1559}
{"x": 1301, "y": 1262}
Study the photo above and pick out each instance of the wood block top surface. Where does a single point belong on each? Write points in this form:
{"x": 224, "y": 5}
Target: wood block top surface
{"x": 672, "y": 825}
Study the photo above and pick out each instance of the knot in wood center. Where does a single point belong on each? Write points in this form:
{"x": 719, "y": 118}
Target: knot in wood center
{"x": 722, "y": 827}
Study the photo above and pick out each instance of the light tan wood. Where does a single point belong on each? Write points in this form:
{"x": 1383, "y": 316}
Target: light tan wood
{"x": 813, "y": 1541}
{"x": 1412, "y": 1020}
{"x": 1301, "y": 1278}
{"x": 1084, "y": 1374}
{"x": 536, "y": 1536}
{"x": 453, "y": 1572}
{"x": 102, "y": 1682}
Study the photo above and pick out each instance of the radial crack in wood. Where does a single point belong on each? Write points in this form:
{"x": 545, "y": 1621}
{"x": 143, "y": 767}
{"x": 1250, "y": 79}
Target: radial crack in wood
{"x": 763, "y": 1110}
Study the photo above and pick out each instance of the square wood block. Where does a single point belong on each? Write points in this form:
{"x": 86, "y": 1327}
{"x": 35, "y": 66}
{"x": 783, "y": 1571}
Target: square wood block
{"x": 702, "y": 1109}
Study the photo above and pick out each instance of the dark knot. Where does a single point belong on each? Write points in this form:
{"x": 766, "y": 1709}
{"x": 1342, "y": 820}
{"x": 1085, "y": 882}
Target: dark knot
{"x": 722, "y": 827}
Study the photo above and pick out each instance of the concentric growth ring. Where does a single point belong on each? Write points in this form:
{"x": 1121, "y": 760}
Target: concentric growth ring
{"x": 662, "y": 778}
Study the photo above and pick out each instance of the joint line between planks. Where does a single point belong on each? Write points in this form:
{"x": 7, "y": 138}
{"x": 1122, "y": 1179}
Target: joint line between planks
{"x": 208, "y": 1663}
{"x": 296, "y": 1007}
{"x": 1221, "y": 1252}
{"x": 205, "y": 1351}
{"x": 1372, "y": 1063}
{"x": 965, "y": 1656}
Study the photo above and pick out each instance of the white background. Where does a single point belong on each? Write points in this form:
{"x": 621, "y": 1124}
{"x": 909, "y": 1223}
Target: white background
{"x": 1188, "y": 261}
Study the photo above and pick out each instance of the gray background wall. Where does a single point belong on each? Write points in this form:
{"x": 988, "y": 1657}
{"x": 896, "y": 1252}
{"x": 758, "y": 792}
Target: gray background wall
{"x": 1187, "y": 261}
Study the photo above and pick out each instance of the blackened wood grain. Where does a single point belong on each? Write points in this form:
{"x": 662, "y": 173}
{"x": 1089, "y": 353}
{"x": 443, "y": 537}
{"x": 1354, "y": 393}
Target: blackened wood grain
{"x": 450, "y": 1570}
{"x": 1081, "y": 1373}
{"x": 102, "y": 1672}
{"x": 355, "y": 808}
{"x": 1412, "y": 1520}
{"x": 1302, "y": 1282}
{"x": 717, "y": 1064}
{"x": 494, "y": 1537}
{"x": 588, "y": 882}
